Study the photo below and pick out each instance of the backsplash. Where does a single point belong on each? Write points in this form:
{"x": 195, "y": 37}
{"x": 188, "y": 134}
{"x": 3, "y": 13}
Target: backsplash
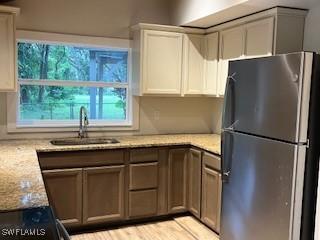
{"x": 158, "y": 115}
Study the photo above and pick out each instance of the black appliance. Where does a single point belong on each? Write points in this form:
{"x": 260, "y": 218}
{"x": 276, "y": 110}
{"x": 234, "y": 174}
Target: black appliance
{"x": 31, "y": 224}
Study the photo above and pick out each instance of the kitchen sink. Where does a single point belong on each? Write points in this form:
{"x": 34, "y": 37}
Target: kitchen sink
{"x": 83, "y": 141}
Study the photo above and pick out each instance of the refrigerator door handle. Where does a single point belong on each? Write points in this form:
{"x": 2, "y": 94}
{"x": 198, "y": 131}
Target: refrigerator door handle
{"x": 225, "y": 176}
{"x": 230, "y": 80}
{"x": 231, "y": 127}
{"x": 227, "y": 144}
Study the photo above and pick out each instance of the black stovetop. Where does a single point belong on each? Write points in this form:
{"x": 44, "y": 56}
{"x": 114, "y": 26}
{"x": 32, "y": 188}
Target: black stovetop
{"x": 28, "y": 224}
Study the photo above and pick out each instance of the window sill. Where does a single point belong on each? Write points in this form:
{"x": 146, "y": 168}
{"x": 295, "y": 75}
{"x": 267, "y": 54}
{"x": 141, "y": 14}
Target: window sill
{"x": 50, "y": 129}
{"x": 12, "y": 126}
{"x": 72, "y": 124}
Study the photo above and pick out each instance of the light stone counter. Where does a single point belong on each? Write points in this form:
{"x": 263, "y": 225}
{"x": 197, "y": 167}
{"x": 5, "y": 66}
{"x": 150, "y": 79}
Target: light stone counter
{"x": 21, "y": 184}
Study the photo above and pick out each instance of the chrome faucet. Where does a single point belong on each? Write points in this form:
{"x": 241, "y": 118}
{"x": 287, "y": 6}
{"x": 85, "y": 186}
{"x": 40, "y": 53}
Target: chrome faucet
{"x": 83, "y": 126}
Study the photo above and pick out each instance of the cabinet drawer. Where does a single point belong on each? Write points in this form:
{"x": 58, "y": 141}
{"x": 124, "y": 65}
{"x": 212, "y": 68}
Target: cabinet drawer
{"x": 212, "y": 161}
{"x": 76, "y": 159}
{"x": 143, "y": 203}
{"x": 144, "y": 155}
{"x": 143, "y": 176}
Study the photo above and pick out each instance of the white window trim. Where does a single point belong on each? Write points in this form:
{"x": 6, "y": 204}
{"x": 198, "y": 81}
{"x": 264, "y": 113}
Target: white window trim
{"x": 132, "y": 123}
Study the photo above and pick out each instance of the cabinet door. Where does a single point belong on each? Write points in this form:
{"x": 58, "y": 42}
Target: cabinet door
{"x": 194, "y": 175}
{"x": 8, "y": 55}
{"x": 103, "y": 194}
{"x": 210, "y": 86}
{"x": 193, "y": 64}
{"x": 162, "y": 62}
{"x": 177, "y": 180}
{"x": 64, "y": 189}
{"x": 232, "y": 43}
{"x": 259, "y": 38}
{"x": 211, "y": 198}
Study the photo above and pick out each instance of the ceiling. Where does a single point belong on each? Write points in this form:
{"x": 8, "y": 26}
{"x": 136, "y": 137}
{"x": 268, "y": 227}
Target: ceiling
{"x": 248, "y": 7}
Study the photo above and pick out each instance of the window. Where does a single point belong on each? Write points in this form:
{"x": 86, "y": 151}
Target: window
{"x": 56, "y": 78}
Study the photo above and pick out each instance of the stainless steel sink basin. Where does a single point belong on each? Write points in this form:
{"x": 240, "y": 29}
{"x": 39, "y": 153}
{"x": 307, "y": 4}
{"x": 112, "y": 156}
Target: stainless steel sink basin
{"x": 83, "y": 141}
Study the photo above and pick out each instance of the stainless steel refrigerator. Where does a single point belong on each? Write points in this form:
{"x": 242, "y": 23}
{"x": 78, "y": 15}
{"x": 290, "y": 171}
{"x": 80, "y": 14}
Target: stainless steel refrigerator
{"x": 270, "y": 148}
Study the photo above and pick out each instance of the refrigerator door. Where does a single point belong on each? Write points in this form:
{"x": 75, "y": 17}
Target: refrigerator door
{"x": 269, "y": 96}
{"x": 262, "y": 188}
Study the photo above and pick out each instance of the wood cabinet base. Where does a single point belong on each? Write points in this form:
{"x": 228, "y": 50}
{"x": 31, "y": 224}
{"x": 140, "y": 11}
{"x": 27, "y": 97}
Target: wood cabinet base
{"x": 132, "y": 184}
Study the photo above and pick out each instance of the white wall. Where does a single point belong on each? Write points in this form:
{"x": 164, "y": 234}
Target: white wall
{"x": 111, "y": 18}
{"x": 206, "y": 13}
{"x": 179, "y": 115}
{"x": 217, "y": 115}
{"x": 312, "y": 32}
{"x": 186, "y": 11}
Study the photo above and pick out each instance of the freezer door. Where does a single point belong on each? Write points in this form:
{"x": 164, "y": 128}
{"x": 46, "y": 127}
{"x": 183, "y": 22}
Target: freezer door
{"x": 262, "y": 188}
{"x": 269, "y": 96}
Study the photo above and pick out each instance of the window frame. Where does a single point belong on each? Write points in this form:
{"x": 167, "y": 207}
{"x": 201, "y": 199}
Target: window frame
{"x": 132, "y": 118}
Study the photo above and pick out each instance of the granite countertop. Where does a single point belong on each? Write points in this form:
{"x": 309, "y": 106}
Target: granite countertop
{"x": 21, "y": 183}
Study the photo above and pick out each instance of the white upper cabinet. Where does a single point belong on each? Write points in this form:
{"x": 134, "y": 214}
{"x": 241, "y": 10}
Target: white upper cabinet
{"x": 262, "y": 34}
{"x": 167, "y": 60}
{"x": 160, "y": 56}
{"x": 7, "y": 53}
{"x": 254, "y": 39}
{"x": 162, "y": 62}
{"x": 180, "y": 61}
{"x": 193, "y": 64}
{"x": 259, "y": 38}
{"x": 210, "y": 85}
{"x": 232, "y": 44}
